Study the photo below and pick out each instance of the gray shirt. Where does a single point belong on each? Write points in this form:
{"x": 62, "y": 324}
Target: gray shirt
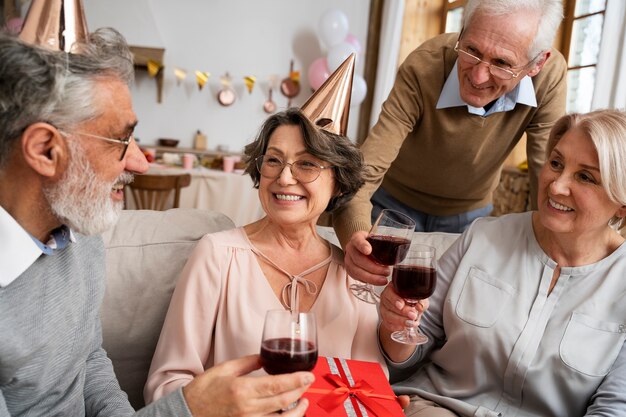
{"x": 501, "y": 345}
{"x": 51, "y": 359}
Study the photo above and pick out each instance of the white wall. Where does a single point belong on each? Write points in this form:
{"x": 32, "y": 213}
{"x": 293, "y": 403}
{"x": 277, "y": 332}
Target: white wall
{"x": 243, "y": 37}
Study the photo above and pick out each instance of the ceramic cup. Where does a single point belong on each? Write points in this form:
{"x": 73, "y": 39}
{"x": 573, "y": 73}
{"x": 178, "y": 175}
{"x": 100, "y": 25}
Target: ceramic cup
{"x": 188, "y": 160}
{"x": 229, "y": 163}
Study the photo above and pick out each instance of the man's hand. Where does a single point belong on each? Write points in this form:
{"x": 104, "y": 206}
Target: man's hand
{"x": 224, "y": 391}
{"x": 359, "y": 265}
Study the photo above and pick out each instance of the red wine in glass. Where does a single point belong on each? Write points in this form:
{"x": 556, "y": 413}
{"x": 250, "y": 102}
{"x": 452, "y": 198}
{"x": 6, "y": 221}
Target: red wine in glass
{"x": 414, "y": 282}
{"x": 414, "y": 279}
{"x": 390, "y": 238}
{"x": 285, "y": 355}
{"x": 388, "y": 250}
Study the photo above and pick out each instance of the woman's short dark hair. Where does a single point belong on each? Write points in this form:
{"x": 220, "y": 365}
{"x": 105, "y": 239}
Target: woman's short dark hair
{"x": 336, "y": 150}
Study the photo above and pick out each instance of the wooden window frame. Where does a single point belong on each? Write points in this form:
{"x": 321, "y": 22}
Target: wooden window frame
{"x": 448, "y": 6}
{"x": 567, "y": 27}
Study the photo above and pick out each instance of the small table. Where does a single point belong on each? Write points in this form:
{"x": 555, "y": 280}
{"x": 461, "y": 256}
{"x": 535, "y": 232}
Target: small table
{"x": 232, "y": 194}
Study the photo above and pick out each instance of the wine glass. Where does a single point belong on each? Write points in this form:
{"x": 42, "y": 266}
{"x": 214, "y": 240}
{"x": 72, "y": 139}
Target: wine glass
{"x": 414, "y": 279}
{"x": 289, "y": 343}
{"x": 390, "y": 238}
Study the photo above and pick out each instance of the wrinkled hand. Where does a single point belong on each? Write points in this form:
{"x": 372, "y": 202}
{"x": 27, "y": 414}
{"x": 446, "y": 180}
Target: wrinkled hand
{"x": 394, "y": 312}
{"x": 224, "y": 391}
{"x": 359, "y": 265}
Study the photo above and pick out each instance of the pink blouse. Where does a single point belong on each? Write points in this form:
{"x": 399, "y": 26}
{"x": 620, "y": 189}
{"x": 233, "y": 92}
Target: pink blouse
{"x": 219, "y": 304}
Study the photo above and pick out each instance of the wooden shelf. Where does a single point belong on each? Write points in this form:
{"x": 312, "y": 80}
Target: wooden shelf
{"x": 142, "y": 55}
{"x": 176, "y": 149}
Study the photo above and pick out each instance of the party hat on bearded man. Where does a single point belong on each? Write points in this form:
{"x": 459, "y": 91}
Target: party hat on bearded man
{"x": 329, "y": 107}
{"x": 59, "y": 25}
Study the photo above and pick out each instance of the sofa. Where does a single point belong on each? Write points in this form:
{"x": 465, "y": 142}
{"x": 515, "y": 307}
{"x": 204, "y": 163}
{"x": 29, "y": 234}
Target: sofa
{"x": 145, "y": 251}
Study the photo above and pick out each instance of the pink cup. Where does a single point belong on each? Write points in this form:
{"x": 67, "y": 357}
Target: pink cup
{"x": 188, "y": 160}
{"x": 229, "y": 163}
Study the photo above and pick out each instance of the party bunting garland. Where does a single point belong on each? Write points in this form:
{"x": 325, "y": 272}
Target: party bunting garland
{"x": 202, "y": 77}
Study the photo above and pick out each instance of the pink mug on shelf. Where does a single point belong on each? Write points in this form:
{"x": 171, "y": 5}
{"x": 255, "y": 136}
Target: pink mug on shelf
{"x": 229, "y": 163}
{"x": 188, "y": 160}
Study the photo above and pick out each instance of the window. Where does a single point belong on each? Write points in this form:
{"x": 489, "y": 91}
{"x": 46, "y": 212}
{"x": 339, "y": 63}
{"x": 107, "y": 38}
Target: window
{"x": 582, "y": 33}
{"x": 453, "y": 16}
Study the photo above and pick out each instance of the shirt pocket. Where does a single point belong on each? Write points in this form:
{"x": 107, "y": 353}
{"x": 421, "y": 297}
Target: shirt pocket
{"x": 590, "y": 346}
{"x": 482, "y": 298}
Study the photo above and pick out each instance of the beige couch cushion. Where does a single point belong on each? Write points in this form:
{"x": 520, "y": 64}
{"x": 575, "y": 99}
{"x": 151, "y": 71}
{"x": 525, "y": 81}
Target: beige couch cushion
{"x": 145, "y": 252}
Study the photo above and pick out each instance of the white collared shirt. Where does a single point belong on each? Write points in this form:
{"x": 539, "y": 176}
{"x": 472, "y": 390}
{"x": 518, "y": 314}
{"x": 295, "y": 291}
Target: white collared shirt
{"x": 523, "y": 93}
{"x": 18, "y": 249}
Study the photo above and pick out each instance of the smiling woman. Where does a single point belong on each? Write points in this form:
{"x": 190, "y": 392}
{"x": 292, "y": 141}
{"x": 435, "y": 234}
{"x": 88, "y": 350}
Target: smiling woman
{"x": 558, "y": 284}
{"x": 278, "y": 262}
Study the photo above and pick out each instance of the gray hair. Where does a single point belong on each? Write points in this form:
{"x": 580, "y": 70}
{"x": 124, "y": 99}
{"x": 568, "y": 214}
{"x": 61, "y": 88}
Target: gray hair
{"x": 607, "y": 130}
{"x": 550, "y": 12}
{"x": 336, "y": 150}
{"x": 38, "y": 85}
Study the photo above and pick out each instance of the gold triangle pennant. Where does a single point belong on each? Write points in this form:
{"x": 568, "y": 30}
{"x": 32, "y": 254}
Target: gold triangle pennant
{"x": 153, "y": 68}
{"x": 201, "y": 78}
{"x": 180, "y": 75}
{"x": 249, "y": 80}
{"x": 225, "y": 80}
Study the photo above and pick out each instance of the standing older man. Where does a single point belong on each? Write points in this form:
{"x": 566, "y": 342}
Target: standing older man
{"x": 460, "y": 104}
{"x": 66, "y": 152}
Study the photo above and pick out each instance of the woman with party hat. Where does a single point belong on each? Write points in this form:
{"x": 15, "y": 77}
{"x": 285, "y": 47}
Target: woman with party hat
{"x": 303, "y": 165}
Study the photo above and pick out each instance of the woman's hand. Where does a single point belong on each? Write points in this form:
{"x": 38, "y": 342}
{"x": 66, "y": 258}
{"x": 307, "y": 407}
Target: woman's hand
{"x": 359, "y": 265}
{"x": 395, "y": 314}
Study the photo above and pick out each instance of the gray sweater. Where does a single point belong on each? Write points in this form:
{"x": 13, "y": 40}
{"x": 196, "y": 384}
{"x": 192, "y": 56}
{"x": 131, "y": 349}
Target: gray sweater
{"x": 51, "y": 359}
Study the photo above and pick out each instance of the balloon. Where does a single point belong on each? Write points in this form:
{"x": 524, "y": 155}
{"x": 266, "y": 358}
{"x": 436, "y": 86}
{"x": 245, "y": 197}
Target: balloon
{"x": 333, "y": 27}
{"x": 14, "y": 25}
{"x": 352, "y": 40}
{"x": 359, "y": 90}
{"x": 318, "y": 73}
{"x": 338, "y": 53}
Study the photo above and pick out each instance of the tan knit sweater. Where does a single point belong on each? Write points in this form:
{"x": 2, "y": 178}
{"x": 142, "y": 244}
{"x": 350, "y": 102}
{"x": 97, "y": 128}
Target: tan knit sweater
{"x": 447, "y": 161}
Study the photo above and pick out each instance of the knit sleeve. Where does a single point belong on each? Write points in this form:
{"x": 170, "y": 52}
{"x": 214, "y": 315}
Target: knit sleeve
{"x": 171, "y": 405}
{"x": 399, "y": 114}
{"x": 102, "y": 392}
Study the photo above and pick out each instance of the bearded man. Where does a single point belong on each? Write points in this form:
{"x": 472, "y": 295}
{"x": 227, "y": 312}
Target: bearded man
{"x": 66, "y": 152}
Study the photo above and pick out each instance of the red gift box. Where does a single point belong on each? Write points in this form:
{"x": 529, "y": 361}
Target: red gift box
{"x": 350, "y": 388}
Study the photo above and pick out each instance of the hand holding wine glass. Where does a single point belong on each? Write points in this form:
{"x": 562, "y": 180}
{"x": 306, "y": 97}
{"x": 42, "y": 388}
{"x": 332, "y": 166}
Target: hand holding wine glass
{"x": 289, "y": 342}
{"x": 414, "y": 279}
{"x": 390, "y": 238}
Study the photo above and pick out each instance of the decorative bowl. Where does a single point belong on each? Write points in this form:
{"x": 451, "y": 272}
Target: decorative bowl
{"x": 168, "y": 142}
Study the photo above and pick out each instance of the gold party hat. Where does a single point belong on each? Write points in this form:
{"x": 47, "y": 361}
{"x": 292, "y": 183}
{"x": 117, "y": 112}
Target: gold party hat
{"x": 329, "y": 106}
{"x": 55, "y": 24}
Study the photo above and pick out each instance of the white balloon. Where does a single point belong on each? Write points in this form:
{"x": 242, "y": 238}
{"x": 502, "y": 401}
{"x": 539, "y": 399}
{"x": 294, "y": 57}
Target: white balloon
{"x": 359, "y": 90}
{"x": 338, "y": 53}
{"x": 333, "y": 27}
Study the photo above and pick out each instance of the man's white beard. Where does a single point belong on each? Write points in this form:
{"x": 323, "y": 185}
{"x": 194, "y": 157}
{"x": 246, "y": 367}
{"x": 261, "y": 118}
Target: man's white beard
{"x": 81, "y": 200}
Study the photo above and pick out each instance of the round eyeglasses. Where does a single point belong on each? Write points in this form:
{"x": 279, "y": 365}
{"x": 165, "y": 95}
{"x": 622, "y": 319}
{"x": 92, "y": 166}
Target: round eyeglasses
{"x": 302, "y": 170}
{"x": 496, "y": 71}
